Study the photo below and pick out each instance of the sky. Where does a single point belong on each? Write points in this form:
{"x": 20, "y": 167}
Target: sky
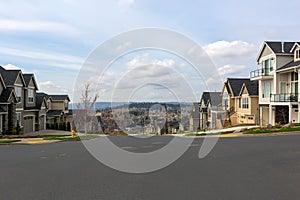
{"x": 54, "y": 39}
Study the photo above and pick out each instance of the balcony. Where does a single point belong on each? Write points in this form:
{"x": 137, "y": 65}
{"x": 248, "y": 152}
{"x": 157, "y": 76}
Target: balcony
{"x": 285, "y": 97}
{"x": 261, "y": 73}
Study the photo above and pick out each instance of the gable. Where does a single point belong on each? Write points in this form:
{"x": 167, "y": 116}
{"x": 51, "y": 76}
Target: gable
{"x": 244, "y": 90}
{"x": 44, "y": 104}
{"x": 19, "y": 80}
{"x": 265, "y": 51}
{"x": 296, "y": 46}
{"x": 32, "y": 83}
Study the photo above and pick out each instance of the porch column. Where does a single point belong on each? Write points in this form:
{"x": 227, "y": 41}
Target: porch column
{"x": 270, "y": 115}
{"x": 290, "y": 113}
{"x": 260, "y": 116}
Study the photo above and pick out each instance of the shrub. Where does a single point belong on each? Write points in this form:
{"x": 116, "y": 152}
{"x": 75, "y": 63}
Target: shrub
{"x": 278, "y": 125}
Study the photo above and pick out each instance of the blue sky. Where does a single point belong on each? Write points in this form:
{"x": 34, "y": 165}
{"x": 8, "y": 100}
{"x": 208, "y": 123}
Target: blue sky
{"x": 53, "y": 38}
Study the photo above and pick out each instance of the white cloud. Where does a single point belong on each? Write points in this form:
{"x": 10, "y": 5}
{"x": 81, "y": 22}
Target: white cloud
{"x": 234, "y": 48}
{"x": 10, "y": 67}
{"x": 50, "y": 87}
{"x": 40, "y": 26}
{"x": 146, "y": 59}
{"x": 124, "y": 46}
{"x": 230, "y": 70}
{"x": 54, "y": 59}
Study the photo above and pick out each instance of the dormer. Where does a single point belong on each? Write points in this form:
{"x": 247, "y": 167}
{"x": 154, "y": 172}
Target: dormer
{"x": 296, "y": 51}
{"x": 30, "y": 89}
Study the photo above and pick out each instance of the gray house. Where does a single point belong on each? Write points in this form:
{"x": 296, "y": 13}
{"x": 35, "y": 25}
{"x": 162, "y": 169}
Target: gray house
{"x": 22, "y": 108}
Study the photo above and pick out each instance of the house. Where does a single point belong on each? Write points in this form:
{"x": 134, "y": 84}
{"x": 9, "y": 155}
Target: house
{"x": 33, "y": 115}
{"x": 240, "y": 101}
{"x": 58, "y": 109}
{"x": 277, "y": 74}
{"x": 211, "y": 113}
{"x": 8, "y": 101}
{"x": 24, "y": 110}
{"x": 194, "y": 117}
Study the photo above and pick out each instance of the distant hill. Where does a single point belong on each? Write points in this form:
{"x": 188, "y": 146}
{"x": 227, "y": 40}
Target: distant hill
{"x": 105, "y": 105}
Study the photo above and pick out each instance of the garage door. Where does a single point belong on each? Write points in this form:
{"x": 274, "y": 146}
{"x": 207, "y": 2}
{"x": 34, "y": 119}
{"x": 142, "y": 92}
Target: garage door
{"x": 28, "y": 124}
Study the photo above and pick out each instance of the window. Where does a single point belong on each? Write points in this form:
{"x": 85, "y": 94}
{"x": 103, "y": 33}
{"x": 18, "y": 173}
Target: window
{"x": 30, "y": 95}
{"x": 245, "y": 104}
{"x": 66, "y": 105}
{"x": 225, "y": 100}
{"x": 294, "y": 83}
{"x": 266, "y": 89}
{"x": 18, "y": 91}
{"x": 267, "y": 66}
{"x": 240, "y": 102}
{"x": 297, "y": 54}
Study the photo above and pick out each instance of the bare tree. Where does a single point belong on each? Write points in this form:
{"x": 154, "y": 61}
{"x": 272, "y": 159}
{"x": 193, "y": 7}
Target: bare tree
{"x": 85, "y": 108}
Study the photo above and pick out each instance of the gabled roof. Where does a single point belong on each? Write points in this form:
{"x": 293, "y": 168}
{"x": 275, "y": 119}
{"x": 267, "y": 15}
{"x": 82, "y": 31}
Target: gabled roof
{"x": 6, "y": 94}
{"x": 40, "y": 98}
{"x": 252, "y": 88}
{"x": 290, "y": 65}
{"x": 54, "y": 113}
{"x": 276, "y": 47}
{"x": 294, "y": 46}
{"x": 205, "y": 97}
{"x": 215, "y": 98}
{"x": 59, "y": 97}
{"x": 28, "y": 78}
{"x": 10, "y": 76}
{"x": 235, "y": 85}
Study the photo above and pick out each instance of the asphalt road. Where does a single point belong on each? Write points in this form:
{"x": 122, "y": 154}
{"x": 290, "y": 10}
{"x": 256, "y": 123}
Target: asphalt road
{"x": 237, "y": 168}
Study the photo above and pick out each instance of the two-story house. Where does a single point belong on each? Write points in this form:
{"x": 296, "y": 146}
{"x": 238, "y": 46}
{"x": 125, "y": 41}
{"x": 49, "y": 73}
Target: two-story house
{"x": 8, "y": 101}
{"x": 211, "y": 113}
{"x": 58, "y": 109}
{"x": 22, "y": 108}
{"x": 240, "y": 101}
{"x": 277, "y": 74}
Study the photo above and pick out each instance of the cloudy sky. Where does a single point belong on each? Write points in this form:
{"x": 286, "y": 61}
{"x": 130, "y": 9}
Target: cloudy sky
{"x": 53, "y": 39}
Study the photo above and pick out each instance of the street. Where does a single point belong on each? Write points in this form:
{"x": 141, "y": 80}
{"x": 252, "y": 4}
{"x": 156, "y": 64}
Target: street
{"x": 237, "y": 168}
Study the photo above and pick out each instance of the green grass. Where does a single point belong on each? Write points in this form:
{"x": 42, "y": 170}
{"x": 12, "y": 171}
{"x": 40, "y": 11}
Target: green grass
{"x": 69, "y": 138}
{"x": 263, "y": 131}
{"x": 8, "y": 141}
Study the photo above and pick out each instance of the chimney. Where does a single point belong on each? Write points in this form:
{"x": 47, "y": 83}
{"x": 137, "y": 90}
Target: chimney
{"x": 282, "y": 47}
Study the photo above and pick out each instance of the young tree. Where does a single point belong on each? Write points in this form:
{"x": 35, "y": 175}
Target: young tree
{"x": 85, "y": 108}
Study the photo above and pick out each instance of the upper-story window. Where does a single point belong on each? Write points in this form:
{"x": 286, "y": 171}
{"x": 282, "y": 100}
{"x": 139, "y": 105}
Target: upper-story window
{"x": 297, "y": 54}
{"x": 66, "y": 105}
{"x": 294, "y": 83}
{"x": 18, "y": 91}
{"x": 245, "y": 103}
{"x": 30, "y": 95}
{"x": 225, "y": 100}
{"x": 267, "y": 66}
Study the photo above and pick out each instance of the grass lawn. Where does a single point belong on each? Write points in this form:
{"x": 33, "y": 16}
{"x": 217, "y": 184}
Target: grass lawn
{"x": 274, "y": 130}
{"x": 8, "y": 141}
{"x": 68, "y": 138}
